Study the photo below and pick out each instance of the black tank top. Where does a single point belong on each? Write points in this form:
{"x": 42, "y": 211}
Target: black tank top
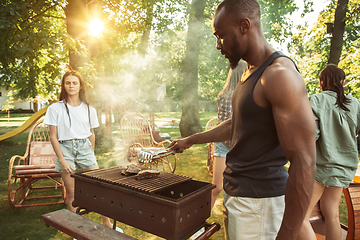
{"x": 255, "y": 162}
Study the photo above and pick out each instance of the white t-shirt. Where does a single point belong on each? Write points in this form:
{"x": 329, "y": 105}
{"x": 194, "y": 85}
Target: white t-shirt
{"x": 56, "y": 115}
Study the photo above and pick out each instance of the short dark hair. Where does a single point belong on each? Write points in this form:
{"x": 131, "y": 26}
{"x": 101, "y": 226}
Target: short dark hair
{"x": 239, "y": 9}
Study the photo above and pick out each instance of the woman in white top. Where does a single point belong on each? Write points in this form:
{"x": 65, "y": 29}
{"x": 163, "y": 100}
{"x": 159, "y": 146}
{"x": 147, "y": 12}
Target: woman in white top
{"x": 72, "y": 121}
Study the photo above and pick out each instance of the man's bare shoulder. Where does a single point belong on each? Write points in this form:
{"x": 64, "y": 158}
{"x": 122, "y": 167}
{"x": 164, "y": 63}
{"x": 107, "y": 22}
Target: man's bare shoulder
{"x": 282, "y": 72}
{"x": 282, "y": 79}
{"x": 280, "y": 68}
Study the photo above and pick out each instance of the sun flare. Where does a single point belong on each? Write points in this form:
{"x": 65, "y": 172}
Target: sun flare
{"x": 95, "y": 27}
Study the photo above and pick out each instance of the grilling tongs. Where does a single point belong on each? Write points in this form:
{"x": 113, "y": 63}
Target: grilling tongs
{"x": 146, "y": 155}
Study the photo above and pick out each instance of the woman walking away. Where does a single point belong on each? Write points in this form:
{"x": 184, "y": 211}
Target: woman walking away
{"x": 338, "y": 122}
{"x": 72, "y": 121}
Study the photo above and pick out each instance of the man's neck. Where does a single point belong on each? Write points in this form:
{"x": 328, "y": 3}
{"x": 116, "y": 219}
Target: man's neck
{"x": 258, "y": 53}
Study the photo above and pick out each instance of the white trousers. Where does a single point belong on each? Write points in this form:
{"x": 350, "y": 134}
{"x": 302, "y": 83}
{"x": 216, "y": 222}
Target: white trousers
{"x": 252, "y": 218}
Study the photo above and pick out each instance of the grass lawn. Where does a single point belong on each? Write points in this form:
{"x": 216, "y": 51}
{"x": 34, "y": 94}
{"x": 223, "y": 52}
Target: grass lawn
{"x": 25, "y": 223}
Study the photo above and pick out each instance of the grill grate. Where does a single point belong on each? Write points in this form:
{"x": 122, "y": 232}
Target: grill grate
{"x": 113, "y": 175}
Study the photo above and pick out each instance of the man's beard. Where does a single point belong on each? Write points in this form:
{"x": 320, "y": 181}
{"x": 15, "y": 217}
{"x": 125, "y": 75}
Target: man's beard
{"x": 234, "y": 60}
{"x": 233, "y": 63}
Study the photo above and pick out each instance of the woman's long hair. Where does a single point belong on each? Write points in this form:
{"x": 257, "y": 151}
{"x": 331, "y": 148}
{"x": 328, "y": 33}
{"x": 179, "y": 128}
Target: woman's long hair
{"x": 330, "y": 79}
{"x": 233, "y": 79}
{"x": 82, "y": 93}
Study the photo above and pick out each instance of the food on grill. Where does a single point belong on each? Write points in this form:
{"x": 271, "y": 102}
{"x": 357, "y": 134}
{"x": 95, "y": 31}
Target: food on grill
{"x": 146, "y": 174}
{"x": 131, "y": 169}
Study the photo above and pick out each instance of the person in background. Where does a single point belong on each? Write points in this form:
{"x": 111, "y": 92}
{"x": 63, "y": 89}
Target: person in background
{"x": 224, "y": 113}
{"x": 271, "y": 124}
{"x": 337, "y": 125}
{"x": 71, "y": 122}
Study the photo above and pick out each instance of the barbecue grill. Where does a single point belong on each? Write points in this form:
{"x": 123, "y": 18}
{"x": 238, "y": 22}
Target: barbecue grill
{"x": 169, "y": 206}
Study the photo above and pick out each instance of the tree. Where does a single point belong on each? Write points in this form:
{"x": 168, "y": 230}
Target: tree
{"x": 76, "y": 13}
{"x": 31, "y": 38}
{"x": 315, "y": 48}
{"x": 8, "y": 104}
{"x": 143, "y": 46}
{"x": 338, "y": 32}
{"x": 275, "y": 23}
{"x": 190, "y": 118}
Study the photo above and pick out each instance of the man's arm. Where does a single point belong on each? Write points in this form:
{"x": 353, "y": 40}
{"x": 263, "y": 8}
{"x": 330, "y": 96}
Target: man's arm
{"x": 219, "y": 133}
{"x": 295, "y": 124}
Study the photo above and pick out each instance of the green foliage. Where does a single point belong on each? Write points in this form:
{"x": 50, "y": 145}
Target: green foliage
{"x": 137, "y": 76}
{"x": 31, "y": 46}
{"x": 131, "y": 74}
{"x": 213, "y": 67}
{"x": 9, "y": 103}
{"x": 274, "y": 19}
{"x": 311, "y": 47}
{"x": 34, "y": 46}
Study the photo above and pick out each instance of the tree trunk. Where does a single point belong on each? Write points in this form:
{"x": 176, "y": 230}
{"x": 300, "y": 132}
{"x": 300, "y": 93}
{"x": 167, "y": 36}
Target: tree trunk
{"x": 33, "y": 83}
{"x": 36, "y": 107}
{"x": 76, "y": 22}
{"x": 190, "y": 118}
{"x": 338, "y": 32}
{"x": 146, "y": 33}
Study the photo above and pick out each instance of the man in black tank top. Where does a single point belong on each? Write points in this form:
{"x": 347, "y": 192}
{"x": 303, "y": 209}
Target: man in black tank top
{"x": 272, "y": 123}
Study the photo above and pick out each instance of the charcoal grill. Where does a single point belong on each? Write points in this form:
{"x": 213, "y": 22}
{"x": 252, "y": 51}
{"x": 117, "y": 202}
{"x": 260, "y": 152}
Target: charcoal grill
{"x": 169, "y": 206}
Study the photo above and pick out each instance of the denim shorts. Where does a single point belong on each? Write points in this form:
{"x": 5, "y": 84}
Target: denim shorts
{"x": 77, "y": 152}
{"x": 221, "y": 149}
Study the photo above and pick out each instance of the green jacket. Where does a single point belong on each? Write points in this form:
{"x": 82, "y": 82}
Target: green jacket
{"x": 336, "y": 146}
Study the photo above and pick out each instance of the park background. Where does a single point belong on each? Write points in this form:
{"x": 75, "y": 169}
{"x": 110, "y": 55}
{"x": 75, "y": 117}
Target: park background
{"x": 153, "y": 57}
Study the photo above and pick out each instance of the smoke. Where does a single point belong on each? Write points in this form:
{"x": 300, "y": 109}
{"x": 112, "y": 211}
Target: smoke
{"x": 130, "y": 82}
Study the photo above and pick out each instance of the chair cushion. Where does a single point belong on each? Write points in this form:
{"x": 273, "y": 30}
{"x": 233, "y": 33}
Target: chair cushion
{"x": 41, "y": 153}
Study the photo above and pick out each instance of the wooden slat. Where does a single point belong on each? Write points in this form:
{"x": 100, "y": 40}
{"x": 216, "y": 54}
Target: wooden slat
{"x": 25, "y": 167}
{"x": 80, "y": 227}
{"x": 35, "y": 171}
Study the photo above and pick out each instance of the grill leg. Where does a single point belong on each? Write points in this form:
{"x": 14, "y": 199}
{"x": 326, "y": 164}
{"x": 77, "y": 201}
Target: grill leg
{"x": 114, "y": 224}
{"x": 210, "y": 230}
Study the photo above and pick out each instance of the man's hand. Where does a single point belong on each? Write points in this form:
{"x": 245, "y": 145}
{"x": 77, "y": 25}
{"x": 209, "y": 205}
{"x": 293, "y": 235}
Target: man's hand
{"x": 179, "y": 146}
{"x": 219, "y": 133}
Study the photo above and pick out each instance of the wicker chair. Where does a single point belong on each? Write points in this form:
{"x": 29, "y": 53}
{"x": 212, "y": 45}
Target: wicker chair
{"x": 136, "y": 133}
{"x": 350, "y": 232}
{"x": 210, "y": 159}
{"x": 32, "y": 180}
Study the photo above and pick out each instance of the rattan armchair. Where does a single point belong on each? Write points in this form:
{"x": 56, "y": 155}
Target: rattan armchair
{"x": 137, "y": 134}
{"x": 32, "y": 180}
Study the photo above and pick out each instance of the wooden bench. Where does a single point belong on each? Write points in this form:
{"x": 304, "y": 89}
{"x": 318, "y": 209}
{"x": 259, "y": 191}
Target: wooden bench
{"x": 81, "y": 227}
{"x": 350, "y": 232}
